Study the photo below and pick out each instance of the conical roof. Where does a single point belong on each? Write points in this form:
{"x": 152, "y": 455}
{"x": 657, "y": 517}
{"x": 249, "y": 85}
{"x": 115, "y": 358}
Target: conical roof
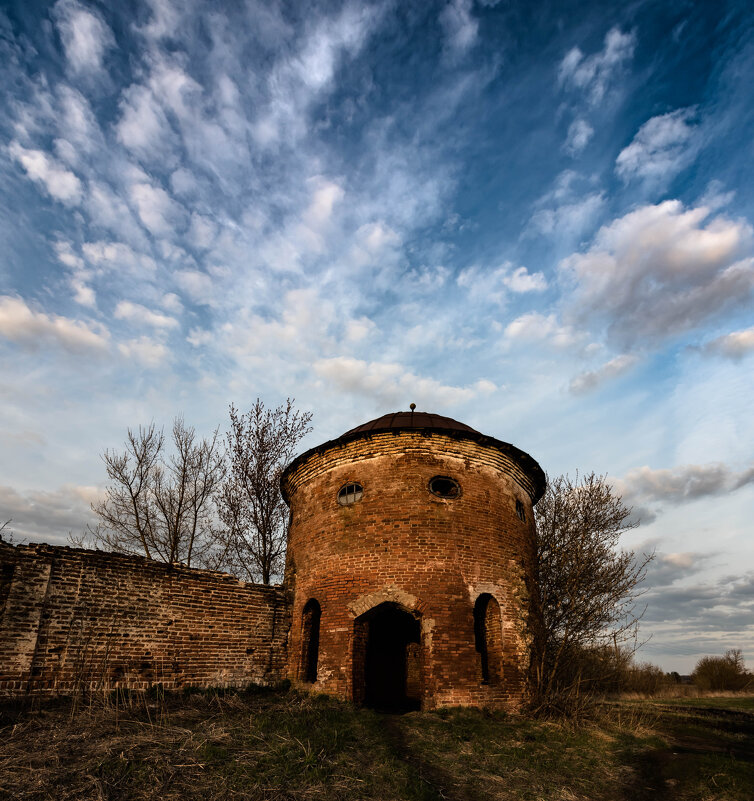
{"x": 408, "y": 420}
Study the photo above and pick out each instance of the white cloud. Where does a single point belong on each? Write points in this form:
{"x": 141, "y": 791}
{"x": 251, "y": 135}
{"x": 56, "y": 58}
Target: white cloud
{"x": 77, "y": 123}
{"x": 117, "y": 255}
{"x": 183, "y": 182}
{"x": 172, "y": 303}
{"x": 159, "y": 213}
{"x": 82, "y": 293}
{"x": 299, "y": 332}
{"x": 175, "y": 89}
{"x": 715, "y": 197}
{"x": 459, "y": 26}
{"x": 570, "y": 220}
{"x": 325, "y": 196}
{"x": 660, "y": 270}
{"x": 521, "y": 280}
{"x": 682, "y": 484}
{"x": 359, "y": 329}
{"x": 735, "y": 345}
{"x": 569, "y": 209}
{"x": 682, "y": 560}
{"x": 580, "y": 133}
{"x": 165, "y": 19}
{"x": 136, "y": 313}
{"x": 392, "y": 384}
{"x": 662, "y": 147}
{"x": 373, "y": 242}
{"x": 197, "y": 285}
{"x": 536, "y": 327}
{"x": 30, "y": 328}
{"x": 299, "y": 78}
{"x": 377, "y": 236}
{"x": 60, "y": 183}
{"x": 593, "y": 74}
{"x": 64, "y": 252}
{"x": 587, "y": 381}
{"x": 143, "y": 126}
{"x": 108, "y": 210}
{"x": 145, "y": 351}
{"x": 199, "y": 337}
{"x": 202, "y": 231}
{"x": 492, "y": 286}
{"x": 85, "y": 35}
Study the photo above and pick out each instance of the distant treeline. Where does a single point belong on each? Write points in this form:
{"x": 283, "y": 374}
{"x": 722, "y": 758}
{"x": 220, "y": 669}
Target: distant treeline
{"x": 602, "y": 671}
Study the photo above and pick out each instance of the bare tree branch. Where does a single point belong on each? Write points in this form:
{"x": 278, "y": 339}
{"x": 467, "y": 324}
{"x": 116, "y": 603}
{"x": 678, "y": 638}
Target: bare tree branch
{"x": 586, "y": 589}
{"x": 254, "y": 516}
{"x": 162, "y": 506}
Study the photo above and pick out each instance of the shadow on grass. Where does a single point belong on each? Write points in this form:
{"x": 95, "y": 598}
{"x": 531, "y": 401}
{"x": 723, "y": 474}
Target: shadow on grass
{"x": 707, "y": 753}
{"x": 280, "y": 745}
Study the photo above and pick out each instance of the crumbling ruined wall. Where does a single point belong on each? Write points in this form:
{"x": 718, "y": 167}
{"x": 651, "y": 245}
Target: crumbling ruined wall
{"x": 75, "y": 619}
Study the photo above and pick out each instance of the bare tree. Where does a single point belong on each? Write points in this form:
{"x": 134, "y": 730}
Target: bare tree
{"x": 255, "y": 518}
{"x": 159, "y": 505}
{"x": 586, "y": 589}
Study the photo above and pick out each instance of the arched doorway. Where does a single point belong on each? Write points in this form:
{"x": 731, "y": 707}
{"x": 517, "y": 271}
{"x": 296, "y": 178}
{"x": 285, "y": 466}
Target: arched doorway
{"x": 387, "y": 664}
{"x": 310, "y": 640}
{"x": 488, "y": 639}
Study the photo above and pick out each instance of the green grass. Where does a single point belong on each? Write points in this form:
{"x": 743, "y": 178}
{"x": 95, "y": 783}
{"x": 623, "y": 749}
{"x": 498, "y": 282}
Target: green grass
{"x": 285, "y": 745}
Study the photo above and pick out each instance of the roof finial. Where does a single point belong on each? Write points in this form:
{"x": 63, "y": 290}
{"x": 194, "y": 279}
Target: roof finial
{"x": 412, "y": 406}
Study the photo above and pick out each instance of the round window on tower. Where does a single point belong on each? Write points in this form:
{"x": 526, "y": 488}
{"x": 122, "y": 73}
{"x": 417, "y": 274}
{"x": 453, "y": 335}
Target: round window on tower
{"x": 349, "y": 493}
{"x": 444, "y": 487}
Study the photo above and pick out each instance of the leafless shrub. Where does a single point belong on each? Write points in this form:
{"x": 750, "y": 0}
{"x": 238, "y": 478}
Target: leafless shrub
{"x": 585, "y": 592}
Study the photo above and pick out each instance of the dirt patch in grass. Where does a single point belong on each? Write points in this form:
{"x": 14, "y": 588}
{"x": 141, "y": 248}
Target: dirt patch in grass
{"x": 285, "y": 745}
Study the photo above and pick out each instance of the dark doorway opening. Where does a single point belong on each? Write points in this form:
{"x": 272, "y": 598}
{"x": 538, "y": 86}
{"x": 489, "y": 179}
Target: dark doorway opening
{"x": 488, "y": 639}
{"x": 389, "y": 666}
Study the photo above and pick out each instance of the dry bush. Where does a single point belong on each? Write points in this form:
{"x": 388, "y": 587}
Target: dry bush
{"x": 723, "y": 672}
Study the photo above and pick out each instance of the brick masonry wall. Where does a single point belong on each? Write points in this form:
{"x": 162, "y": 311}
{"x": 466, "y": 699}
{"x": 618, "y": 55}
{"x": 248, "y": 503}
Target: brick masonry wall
{"x": 402, "y": 544}
{"x": 74, "y": 618}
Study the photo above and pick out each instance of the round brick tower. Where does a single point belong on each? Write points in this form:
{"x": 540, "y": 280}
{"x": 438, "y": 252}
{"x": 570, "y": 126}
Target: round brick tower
{"x": 409, "y": 559}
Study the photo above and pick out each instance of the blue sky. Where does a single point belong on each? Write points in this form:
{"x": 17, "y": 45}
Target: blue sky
{"x": 534, "y": 217}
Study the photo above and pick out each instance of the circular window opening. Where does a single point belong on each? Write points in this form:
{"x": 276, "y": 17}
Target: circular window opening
{"x": 350, "y": 493}
{"x": 444, "y": 487}
{"x": 520, "y": 511}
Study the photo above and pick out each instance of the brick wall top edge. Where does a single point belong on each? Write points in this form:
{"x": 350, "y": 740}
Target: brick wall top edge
{"x": 44, "y": 550}
{"x": 529, "y": 465}
{"x": 382, "y": 443}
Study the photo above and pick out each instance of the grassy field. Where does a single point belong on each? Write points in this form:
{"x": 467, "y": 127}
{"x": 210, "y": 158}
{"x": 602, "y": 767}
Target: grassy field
{"x": 284, "y": 745}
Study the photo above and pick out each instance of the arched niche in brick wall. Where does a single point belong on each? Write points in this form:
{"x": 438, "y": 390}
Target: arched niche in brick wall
{"x": 488, "y": 638}
{"x": 310, "y": 620}
{"x": 388, "y": 663}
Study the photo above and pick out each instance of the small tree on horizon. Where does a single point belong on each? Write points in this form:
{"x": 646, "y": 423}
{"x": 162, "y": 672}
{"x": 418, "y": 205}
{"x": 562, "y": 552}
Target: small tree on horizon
{"x": 585, "y": 591}
{"x": 251, "y": 508}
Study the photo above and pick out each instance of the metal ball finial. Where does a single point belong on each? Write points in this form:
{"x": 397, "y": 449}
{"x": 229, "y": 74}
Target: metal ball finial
{"x": 412, "y": 406}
